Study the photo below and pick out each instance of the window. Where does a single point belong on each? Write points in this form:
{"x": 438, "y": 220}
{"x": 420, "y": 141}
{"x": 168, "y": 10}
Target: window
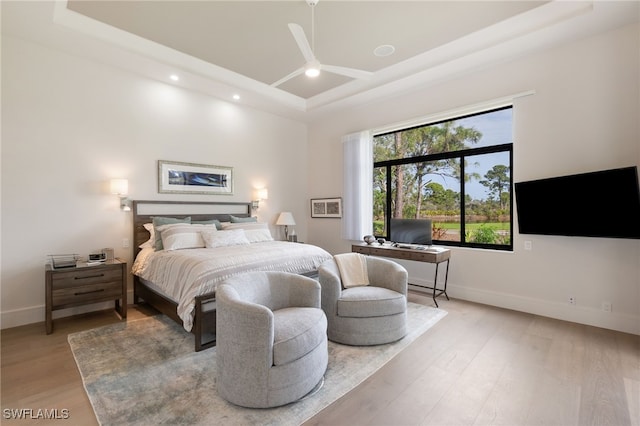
{"x": 457, "y": 173}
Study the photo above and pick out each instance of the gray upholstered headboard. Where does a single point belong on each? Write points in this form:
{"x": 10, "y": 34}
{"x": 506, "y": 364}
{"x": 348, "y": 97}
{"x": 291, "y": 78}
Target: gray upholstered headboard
{"x": 143, "y": 211}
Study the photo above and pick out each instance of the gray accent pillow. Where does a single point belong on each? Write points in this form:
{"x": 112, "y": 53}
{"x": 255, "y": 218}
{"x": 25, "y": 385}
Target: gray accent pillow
{"x": 159, "y": 221}
{"x": 215, "y": 222}
{"x": 235, "y": 219}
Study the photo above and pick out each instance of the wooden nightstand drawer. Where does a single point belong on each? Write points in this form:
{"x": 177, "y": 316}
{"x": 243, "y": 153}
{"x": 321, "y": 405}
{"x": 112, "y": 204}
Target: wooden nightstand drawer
{"x": 85, "y": 276}
{"x": 80, "y": 295}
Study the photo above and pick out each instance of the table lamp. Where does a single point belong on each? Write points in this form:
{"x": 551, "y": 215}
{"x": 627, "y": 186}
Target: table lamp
{"x": 286, "y": 219}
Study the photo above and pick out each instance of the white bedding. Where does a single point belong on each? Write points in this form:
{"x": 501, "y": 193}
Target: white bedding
{"x": 185, "y": 274}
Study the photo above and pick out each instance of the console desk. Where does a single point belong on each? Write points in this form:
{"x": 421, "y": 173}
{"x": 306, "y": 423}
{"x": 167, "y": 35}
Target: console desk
{"x": 436, "y": 256}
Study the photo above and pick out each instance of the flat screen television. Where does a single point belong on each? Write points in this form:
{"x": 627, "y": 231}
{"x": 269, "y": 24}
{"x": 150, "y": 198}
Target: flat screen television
{"x": 410, "y": 231}
{"x": 597, "y": 204}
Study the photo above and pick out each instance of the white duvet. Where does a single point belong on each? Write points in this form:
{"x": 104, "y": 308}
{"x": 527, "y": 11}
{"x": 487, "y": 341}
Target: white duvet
{"x": 185, "y": 274}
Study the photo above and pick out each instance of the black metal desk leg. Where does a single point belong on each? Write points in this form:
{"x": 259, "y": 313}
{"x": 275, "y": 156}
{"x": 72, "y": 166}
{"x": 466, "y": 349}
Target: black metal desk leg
{"x": 435, "y": 286}
{"x": 446, "y": 278}
{"x": 437, "y": 292}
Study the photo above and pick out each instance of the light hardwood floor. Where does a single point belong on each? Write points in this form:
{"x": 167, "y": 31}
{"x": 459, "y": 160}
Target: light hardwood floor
{"x": 478, "y": 366}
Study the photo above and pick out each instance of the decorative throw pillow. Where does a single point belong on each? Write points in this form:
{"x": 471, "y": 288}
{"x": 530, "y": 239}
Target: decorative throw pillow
{"x": 234, "y": 237}
{"x": 215, "y": 222}
{"x": 353, "y": 269}
{"x": 152, "y": 238}
{"x": 180, "y": 236}
{"x": 235, "y": 219}
{"x": 255, "y": 232}
{"x": 159, "y": 221}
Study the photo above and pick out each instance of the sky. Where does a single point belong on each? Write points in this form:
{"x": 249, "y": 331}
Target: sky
{"x": 496, "y": 129}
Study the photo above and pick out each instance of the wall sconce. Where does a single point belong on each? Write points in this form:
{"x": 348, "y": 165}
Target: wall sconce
{"x": 261, "y": 194}
{"x": 286, "y": 219}
{"x": 120, "y": 187}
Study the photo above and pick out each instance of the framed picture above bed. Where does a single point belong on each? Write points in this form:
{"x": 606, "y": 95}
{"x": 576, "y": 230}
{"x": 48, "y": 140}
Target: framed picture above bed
{"x": 326, "y": 207}
{"x": 190, "y": 178}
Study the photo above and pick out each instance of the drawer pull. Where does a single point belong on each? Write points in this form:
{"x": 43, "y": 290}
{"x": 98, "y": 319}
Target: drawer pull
{"x": 88, "y": 292}
{"x": 88, "y": 276}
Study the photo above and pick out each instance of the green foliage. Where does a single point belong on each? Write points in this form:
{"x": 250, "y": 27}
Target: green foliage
{"x": 484, "y": 234}
{"x": 378, "y": 227}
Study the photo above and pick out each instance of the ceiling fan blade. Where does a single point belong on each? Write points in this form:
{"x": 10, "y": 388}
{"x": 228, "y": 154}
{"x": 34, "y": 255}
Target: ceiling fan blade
{"x": 303, "y": 43}
{"x": 349, "y": 72}
{"x": 288, "y": 77}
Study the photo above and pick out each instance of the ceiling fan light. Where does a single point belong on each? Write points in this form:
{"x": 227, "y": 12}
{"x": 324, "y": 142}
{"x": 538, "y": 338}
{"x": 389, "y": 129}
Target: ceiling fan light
{"x": 312, "y": 68}
{"x": 312, "y": 72}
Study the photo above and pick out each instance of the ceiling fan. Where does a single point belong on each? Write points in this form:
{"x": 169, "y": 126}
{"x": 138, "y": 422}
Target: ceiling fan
{"x": 312, "y": 66}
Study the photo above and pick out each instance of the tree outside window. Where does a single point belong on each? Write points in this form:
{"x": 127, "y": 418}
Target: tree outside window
{"x": 456, "y": 173}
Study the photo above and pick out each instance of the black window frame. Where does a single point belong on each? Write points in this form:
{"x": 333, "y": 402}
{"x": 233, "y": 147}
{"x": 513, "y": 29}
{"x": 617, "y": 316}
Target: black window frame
{"x": 459, "y": 155}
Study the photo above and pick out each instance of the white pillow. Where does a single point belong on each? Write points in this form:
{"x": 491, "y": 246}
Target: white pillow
{"x": 255, "y": 231}
{"x": 150, "y": 242}
{"x": 234, "y": 237}
{"x": 178, "y": 236}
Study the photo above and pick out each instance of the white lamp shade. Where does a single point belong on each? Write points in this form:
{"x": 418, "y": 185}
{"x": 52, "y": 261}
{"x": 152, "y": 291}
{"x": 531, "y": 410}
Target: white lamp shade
{"x": 285, "y": 218}
{"x": 263, "y": 194}
{"x": 119, "y": 186}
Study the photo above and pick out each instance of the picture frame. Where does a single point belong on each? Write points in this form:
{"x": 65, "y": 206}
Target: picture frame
{"x": 190, "y": 178}
{"x": 326, "y": 207}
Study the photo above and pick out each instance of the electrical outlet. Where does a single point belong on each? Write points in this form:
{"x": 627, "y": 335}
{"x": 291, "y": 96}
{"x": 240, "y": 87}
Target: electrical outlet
{"x": 572, "y": 300}
{"x": 125, "y": 243}
{"x": 528, "y": 245}
{"x": 606, "y": 306}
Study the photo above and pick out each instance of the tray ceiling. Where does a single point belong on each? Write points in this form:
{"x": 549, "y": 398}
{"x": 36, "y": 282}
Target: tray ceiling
{"x": 251, "y": 38}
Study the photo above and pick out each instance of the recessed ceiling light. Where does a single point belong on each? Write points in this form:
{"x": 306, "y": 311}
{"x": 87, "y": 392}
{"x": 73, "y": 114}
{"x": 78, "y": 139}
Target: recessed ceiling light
{"x": 384, "y": 50}
{"x": 236, "y": 97}
{"x": 174, "y": 77}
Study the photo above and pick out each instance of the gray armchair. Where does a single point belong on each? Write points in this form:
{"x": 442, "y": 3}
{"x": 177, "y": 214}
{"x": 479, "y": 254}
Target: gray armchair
{"x": 271, "y": 339}
{"x": 365, "y": 315}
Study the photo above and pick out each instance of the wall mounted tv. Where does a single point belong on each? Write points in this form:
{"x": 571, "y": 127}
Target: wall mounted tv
{"x": 598, "y": 204}
{"x": 410, "y": 231}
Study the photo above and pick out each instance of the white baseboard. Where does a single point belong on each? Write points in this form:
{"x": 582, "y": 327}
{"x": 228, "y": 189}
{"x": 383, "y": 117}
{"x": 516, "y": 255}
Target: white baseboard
{"x": 35, "y": 314}
{"x": 23, "y": 316}
{"x": 545, "y": 308}
{"x": 562, "y": 311}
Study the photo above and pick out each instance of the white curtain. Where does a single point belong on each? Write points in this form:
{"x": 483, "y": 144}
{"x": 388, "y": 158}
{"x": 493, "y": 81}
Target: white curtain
{"x": 357, "y": 218}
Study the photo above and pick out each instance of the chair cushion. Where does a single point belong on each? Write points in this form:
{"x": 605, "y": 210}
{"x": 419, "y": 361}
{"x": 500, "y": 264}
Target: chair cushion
{"x": 369, "y": 301}
{"x": 297, "y": 331}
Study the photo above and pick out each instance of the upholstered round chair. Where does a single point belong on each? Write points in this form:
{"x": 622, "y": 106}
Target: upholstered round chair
{"x": 271, "y": 338}
{"x": 364, "y": 315}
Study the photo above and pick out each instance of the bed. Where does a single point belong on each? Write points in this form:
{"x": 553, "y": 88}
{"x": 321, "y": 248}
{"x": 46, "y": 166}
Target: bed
{"x": 181, "y": 283}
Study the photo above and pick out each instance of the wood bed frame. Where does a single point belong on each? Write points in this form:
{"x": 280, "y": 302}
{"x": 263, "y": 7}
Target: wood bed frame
{"x": 204, "y": 322}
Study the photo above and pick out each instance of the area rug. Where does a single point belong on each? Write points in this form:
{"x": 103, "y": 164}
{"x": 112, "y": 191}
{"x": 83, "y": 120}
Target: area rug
{"x": 145, "y": 372}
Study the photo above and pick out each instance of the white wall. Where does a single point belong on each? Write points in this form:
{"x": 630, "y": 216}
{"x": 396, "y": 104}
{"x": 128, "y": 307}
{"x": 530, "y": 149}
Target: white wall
{"x": 582, "y": 117}
{"x": 70, "y": 124}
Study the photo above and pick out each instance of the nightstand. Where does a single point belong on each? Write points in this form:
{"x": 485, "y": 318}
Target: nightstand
{"x": 68, "y": 287}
